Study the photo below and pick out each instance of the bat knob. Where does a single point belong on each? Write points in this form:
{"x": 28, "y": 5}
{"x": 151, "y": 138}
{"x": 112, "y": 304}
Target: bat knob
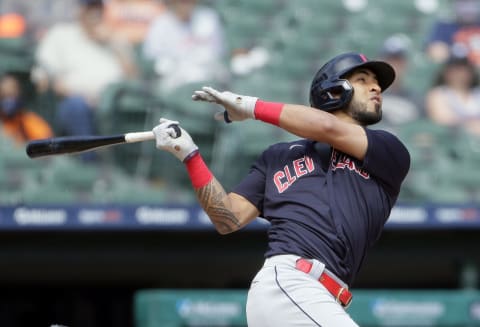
{"x": 178, "y": 131}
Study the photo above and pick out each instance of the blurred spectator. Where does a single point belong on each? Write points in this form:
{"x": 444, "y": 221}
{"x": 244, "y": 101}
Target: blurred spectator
{"x": 400, "y": 104}
{"x": 12, "y": 25}
{"x": 459, "y": 34}
{"x": 454, "y": 99}
{"x": 18, "y": 122}
{"x": 187, "y": 44}
{"x": 39, "y": 15}
{"x": 78, "y": 60}
{"x": 246, "y": 61}
{"x": 132, "y": 18}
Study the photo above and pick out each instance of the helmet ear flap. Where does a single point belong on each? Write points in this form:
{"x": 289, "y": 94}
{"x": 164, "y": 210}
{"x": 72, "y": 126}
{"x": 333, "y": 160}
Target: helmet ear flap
{"x": 331, "y": 95}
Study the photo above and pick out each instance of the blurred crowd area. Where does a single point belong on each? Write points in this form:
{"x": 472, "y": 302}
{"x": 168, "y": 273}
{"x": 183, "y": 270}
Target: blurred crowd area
{"x": 77, "y": 67}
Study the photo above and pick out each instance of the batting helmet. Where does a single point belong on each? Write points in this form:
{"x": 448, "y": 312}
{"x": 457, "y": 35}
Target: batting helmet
{"x": 330, "y": 79}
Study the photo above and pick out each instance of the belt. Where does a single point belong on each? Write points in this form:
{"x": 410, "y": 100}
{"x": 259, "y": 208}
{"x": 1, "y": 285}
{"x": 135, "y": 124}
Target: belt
{"x": 342, "y": 294}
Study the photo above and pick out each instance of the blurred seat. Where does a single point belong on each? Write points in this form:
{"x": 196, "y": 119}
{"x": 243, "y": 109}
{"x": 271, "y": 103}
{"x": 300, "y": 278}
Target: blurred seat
{"x": 310, "y": 27}
{"x": 18, "y": 169}
{"x": 239, "y": 145}
{"x": 264, "y": 7}
{"x": 14, "y": 156}
{"x": 247, "y": 23}
{"x": 196, "y": 118}
{"x": 45, "y": 104}
{"x": 128, "y": 106}
{"x": 315, "y": 6}
{"x": 68, "y": 172}
{"x": 64, "y": 174}
{"x": 466, "y": 148}
{"x": 145, "y": 65}
{"x": 424, "y": 138}
{"x": 270, "y": 83}
{"x": 124, "y": 106}
{"x": 228, "y": 8}
{"x": 421, "y": 72}
{"x": 433, "y": 175}
{"x": 16, "y": 55}
{"x": 114, "y": 186}
{"x": 243, "y": 29}
{"x": 404, "y": 8}
{"x": 435, "y": 185}
{"x": 286, "y": 70}
{"x": 48, "y": 194}
{"x": 10, "y": 185}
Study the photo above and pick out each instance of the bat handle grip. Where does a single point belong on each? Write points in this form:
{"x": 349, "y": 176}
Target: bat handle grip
{"x": 149, "y": 135}
{"x": 139, "y": 136}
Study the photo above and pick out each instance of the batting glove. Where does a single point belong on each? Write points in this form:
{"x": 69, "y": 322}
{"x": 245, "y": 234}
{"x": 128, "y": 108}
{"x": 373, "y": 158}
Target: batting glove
{"x": 171, "y": 137}
{"x": 237, "y": 107}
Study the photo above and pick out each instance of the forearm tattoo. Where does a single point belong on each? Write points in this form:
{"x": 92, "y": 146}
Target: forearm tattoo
{"x": 211, "y": 199}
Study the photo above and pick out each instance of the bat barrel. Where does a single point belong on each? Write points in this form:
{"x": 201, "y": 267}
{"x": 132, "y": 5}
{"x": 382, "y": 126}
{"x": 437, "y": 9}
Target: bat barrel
{"x": 70, "y": 144}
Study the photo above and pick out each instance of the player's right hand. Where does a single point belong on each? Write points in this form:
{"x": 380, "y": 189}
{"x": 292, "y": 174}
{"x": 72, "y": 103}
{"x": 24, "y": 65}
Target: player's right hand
{"x": 171, "y": 137}
{"x": 237, "y": 107}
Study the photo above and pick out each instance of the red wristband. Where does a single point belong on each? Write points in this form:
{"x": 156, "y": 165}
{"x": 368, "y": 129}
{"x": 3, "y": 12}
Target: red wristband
{"x": 198, "y": 171}
{"x": 268, "y": 112}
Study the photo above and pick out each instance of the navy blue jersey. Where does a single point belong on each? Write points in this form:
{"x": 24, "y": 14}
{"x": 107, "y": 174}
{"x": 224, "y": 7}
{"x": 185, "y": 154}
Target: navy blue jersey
{"x": 325, "y": 204}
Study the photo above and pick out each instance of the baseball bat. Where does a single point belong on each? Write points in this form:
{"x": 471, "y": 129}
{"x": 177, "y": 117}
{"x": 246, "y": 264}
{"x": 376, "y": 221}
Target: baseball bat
{"x": 76, "y": 144}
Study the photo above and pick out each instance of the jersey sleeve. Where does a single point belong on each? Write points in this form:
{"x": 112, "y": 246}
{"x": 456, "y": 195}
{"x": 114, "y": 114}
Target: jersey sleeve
{"x": 252, "y": 187}
{"x": 387, "y": 159}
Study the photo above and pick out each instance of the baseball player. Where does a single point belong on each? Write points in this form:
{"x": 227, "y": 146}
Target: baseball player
{"x": 326, "y": 195}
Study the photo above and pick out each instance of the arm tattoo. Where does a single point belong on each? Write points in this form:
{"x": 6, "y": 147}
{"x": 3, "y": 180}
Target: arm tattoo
{"x": 211, "y": 199}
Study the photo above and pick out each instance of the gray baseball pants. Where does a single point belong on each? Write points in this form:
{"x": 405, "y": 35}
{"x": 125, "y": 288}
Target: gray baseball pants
{"x": 282, "y": 296}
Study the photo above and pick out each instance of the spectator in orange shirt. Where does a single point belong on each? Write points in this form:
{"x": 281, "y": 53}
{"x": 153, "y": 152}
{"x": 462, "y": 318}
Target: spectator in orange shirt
{"x": 12, "y": 25}
{"x": 18, "y": 122}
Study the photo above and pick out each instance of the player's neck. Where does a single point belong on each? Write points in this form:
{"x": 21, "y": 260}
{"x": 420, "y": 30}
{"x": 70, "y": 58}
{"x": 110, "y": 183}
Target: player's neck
{"x": 343, "y": 116}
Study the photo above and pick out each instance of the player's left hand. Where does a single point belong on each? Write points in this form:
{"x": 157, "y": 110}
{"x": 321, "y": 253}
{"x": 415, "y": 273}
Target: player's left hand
{"x": 237, "y": 107}
{"x": 171, "y": 137}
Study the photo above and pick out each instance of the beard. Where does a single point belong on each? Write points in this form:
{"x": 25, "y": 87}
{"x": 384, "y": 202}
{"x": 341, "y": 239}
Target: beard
{"x": 359, "y": 111}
